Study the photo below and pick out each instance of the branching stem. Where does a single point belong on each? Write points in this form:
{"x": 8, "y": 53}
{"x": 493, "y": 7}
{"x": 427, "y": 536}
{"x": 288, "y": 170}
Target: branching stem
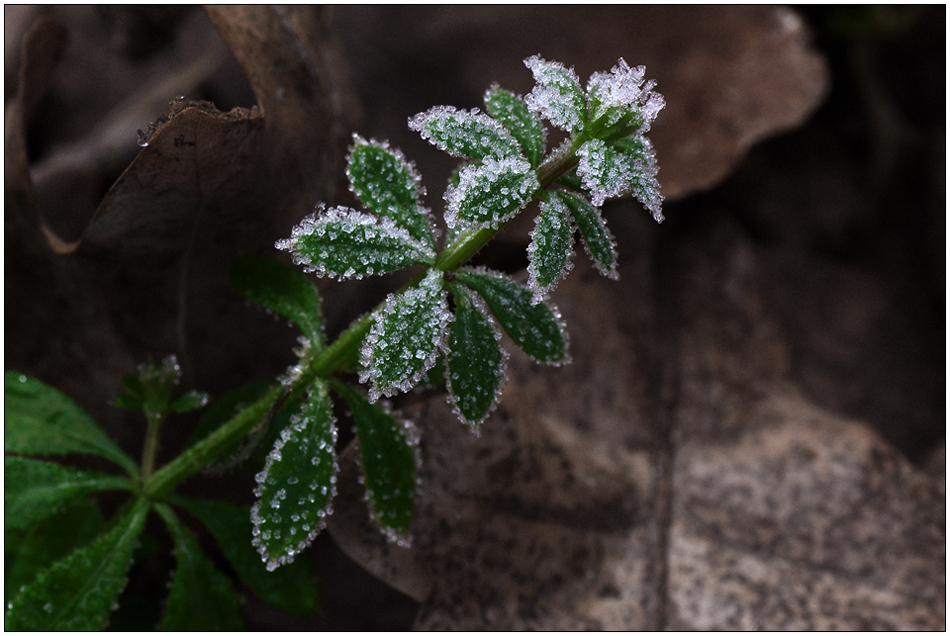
{"x": 331, "y": 360}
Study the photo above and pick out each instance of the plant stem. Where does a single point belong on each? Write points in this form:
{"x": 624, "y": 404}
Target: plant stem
{"x": 154, "y": 420}
{"x": 330, "y": 360}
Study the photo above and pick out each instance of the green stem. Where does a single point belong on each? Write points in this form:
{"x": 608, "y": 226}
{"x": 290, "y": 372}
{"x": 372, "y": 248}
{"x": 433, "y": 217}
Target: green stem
{"x": 154, "y": 420}
{"x": 331, "y": 360}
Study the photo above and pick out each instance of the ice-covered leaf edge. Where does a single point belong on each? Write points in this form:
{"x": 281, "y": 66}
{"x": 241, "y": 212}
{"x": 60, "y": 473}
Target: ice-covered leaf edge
{"x": 411, "y": 215}
{"x": 523, "y": 124}
{"x": 464, "y": 296}
{"x": 599, "y": 243}
{"x": 315, "y": 413}
{"x": 469, "y": 134}
{"x": 557, "y": 95}
{"x": 610, "y": 170}
{"x": 434, "y": 298}
{"x": 478, "y": 201}
{"x": 401, "y": 250}
{"x": 470, "y": 275}
{"x": 551, "y": 248}
{"x": 366, "y": 417}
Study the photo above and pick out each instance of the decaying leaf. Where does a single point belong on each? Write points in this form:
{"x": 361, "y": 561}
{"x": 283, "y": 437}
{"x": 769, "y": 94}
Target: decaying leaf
{"x": 144, "y": 271}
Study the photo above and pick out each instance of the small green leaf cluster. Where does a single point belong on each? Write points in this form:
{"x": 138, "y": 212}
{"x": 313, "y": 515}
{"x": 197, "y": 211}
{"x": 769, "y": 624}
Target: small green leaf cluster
{"x": 66, "y": 565}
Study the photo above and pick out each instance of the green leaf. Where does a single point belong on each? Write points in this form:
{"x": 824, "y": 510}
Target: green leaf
{"x": 524, "y": 126}
{"x": 29, "y": 552}
{"x": 619, "y": 168}
{"x": 41, "y": 420}
{"x": 552, "y": 244}
{"x": 344, "y": 243}
{"x": 388, "y": 460}
{"x": 34, "y": 490}
{"x": 406, "y": 337}
{"x": 557, "y": 96}
{"x": 79, "y": 592}
{"x": 190, "y": 401}
{"x": 297, "y": 483}
{"x": 293, "y": 588}
{"x": 463, "y": 133}
{"x": 491, "y": 193}
{"x": 597, "y": 239}
{"x": 201, "y": 597}
{"x": 388, "y": 184}
{"x": 641, "y": 158}
{"x": 476, "y": 360}
{"x": 537, "y": 328}
{"x": 283, "y": 290}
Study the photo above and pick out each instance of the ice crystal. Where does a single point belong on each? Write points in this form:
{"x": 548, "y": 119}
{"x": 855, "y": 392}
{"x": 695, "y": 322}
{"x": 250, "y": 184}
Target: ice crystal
{"x": 537, "y": 328}
{"x": 551, "y": 248}
{"x": 557, "y": 96}
{"x": 615, "y": 170}
{"x": 621, "y": 91}
{"x": 524, "y": 125}
{"x": 490, "y": 194}
{"x": 597, "y": 239}
{"x": 407, "y": 335}
{"x": 301, "y": 463}
{"x": 462, "y": 133}
{"x": 344, "y": 243}
{"x": 475, "y": 369}
{"x": 388, "y": 184}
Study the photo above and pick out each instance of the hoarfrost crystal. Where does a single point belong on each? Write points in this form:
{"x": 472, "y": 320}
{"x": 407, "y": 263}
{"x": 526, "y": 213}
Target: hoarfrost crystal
{"x": 406, "y": 338}
{"x": 557, "y": 96}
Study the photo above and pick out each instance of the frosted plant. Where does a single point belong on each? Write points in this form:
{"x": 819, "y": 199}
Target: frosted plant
{"x": 416, "y": 330}
{"x": 443, "y": 326}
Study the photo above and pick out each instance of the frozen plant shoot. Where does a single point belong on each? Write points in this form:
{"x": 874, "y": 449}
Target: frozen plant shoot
{"x": 448, "y": 318}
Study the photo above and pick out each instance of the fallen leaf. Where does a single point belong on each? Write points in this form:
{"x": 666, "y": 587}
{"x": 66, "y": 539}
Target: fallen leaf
{"x": 143, "y": 271}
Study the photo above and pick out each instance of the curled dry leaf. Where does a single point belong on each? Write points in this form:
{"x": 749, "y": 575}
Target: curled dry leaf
{"x": 683, "y": 482}
{"x": 144, "y": 269}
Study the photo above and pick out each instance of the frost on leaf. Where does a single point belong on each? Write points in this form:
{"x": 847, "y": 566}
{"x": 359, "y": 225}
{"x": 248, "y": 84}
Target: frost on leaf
{"x": 639, "y": 154}
{"x": 475, "y": 373}
{"x": 536, "y": 328}
{"x": 622, "y": 91}
{"x": 387, "y": 447}
{"x": 613, "y": 170}
{"x": 389, "y": 185}
{"x": 524, "y": 125}
{"x": 462, "y": 133}
{"x": 557, "y": 96}
{"x": 551, "y": 247}
{"x": 407, "y": 335}
{"x": 597, "y": 239}
{"x": 298, "y": 482}
{"x": 490, "y": 194}
{"x": 344, "y": 243}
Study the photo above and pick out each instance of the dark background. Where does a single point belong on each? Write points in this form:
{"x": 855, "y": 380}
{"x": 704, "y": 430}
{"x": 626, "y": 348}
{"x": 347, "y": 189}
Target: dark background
{"x": 854, "y": 196}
